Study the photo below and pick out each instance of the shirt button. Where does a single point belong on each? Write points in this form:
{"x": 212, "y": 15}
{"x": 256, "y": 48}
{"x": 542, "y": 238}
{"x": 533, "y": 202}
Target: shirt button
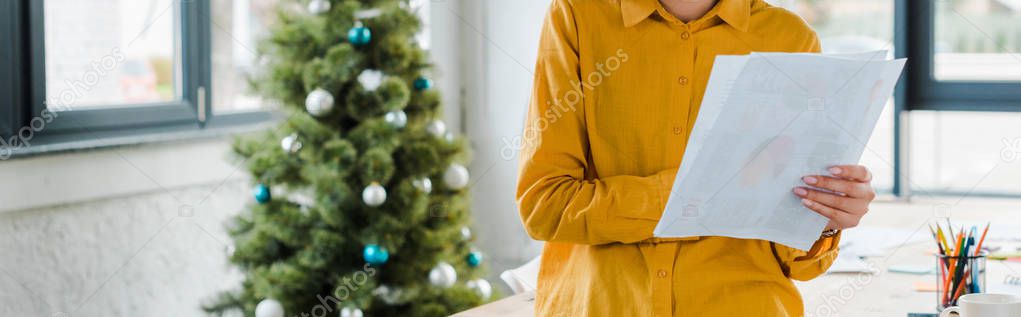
{"x": 662, "y": 273}
{"x": 685, "y": 35}
{"x": 683, "y": 80}
{"x": 677, "y": 130}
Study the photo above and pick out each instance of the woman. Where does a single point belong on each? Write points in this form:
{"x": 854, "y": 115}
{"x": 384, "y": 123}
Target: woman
{"x": 617, "y": 89}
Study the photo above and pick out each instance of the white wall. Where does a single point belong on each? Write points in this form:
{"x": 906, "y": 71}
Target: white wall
{"x": 129, "y": 231}
{"x": 499, "y": 44}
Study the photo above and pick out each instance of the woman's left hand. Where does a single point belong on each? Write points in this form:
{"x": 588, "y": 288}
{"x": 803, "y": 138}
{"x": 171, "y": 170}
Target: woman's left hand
{"x": 850, "y": 192}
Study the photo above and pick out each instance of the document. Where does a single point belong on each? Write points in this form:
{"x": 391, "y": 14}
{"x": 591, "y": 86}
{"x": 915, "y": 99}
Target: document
{"x": 766, "y": 120}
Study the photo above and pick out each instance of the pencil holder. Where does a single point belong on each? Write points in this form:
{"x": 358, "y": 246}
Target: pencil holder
{"x": 959, "y": 275}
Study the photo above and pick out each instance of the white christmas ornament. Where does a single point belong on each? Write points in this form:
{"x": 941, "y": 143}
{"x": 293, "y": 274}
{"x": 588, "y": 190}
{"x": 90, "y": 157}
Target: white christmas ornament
{"x": 423, "y": 184}
{"x": 397, "y": 118}
{"x": 368, "y": 14}
{"x": 304, "y": 197}
{"x": 319, "y": 102}
{"x": 443, "y": 275}
{"x": 370, "y": 79}
{"x": 456, "y": 176}
{"x": 318, "y": 6}
{"x": 269, "y": 308}
{"x": 466, "y": 233}
{"x": 351, "y": 312}
{"x": 374, "y": 195}
{"x": 437, "y": 128}
{"x": 290, "y": 143}
{"x": 482, "y": 287}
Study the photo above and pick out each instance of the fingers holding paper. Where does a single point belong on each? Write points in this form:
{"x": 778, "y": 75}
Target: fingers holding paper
{"x": 843, "y": 196}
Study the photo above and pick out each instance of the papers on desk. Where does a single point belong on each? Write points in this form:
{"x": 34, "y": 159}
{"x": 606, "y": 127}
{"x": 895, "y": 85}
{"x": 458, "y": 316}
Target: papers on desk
{"x": 1010, "y": 284}
{"x": 766, "y": 120}
{"x": 878, "y": 241}
{"x": 849, "y": 263}
{"x": 870, "y": 241}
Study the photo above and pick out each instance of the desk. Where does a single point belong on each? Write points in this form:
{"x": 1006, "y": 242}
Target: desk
{"x": 520, "y": 305}
{"x": 893, "y": 294}
{"x": 883, "y": 294}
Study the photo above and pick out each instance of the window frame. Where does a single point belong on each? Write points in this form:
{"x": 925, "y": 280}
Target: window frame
{"x": 23, "y": 85}
{"x": 918, "y": 89}
{"x": 925, "y": 92}
{"x": 193, "y": 41}
{"x": 12, "y": 61}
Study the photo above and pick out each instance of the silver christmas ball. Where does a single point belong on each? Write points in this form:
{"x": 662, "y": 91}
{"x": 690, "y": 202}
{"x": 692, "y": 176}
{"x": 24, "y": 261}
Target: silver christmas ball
{"x": 436, "y": 128}
{"x": 269, "y": 308}
{"x": 423, "y": 184}
{"x": 351, "y": 312}
{"x": 290, "y": 143}
{"x": 396, "y": 118}
{"x": 304, "y": 197}
{"x": 370, "y": 79}
{"x": 374, "y": 195}
{"x": 319, "y": 102}
{"x": 456, "y": 176}
{"x": 482, "y": 287}
{"x": 466, "y": 233}
{"x": 318, "y": 6}
{"x": 443, "y": 275}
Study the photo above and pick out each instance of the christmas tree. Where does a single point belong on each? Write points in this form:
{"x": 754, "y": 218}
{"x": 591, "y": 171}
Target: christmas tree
{"x": 360, "y": 203}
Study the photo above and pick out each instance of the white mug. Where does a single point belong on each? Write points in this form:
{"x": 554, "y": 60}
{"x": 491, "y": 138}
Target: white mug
{"x": 985, "y": 305}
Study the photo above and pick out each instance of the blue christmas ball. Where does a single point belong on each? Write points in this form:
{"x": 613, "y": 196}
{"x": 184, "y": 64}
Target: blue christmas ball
{"x": 423, "y": 83}
{"x": 375, "y": 254}
{"x": 359, "y": 35}
{"x": 474, "y": 258}
{"x": 261, "y": 193}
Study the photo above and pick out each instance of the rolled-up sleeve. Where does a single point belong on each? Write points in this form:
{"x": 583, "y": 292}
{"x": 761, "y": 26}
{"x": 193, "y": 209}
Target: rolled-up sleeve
{"x": 560, "y": 199}
{"x": 806, "y": 265}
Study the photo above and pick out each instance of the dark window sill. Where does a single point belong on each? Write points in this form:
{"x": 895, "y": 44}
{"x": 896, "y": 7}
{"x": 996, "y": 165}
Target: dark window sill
{"x": 221, "y": 125}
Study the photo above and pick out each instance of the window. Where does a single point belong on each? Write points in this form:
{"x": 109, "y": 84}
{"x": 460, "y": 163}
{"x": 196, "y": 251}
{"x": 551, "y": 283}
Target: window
{"x": 977, "y": 40}
{"x": 115, "y": 64}
{"x": 965, "y": 153}
{"x": 120, "y": 71}
{"x": 964, "y": 74}
{"x": 961, "y": 55}
{"x": 124, "y": 53}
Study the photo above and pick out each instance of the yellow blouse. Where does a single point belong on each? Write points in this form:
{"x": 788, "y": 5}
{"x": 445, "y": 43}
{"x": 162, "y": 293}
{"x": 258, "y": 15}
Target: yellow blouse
{"x": 617, "y": 89}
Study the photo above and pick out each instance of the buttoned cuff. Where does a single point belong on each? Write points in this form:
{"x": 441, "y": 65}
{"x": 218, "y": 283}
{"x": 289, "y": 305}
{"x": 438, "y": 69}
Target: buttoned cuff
{"x": 822, "y": 246}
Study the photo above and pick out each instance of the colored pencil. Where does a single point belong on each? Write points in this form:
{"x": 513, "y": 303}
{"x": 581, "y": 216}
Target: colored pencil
{"x": 982, "y": 239}
{"x": 951, "y": 270}
{"x": 942, "y": 237}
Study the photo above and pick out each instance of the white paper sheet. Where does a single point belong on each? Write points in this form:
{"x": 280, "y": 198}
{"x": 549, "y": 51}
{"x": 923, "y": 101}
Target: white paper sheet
{"x": 845, "y": 263}
{"x": 766, "y": 120}
{"x": 880, "y": 241}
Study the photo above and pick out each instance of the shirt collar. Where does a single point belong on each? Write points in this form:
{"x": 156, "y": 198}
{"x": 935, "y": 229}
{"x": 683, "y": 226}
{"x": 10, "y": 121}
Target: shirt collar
{"x": 734, "y": 12}
{"x": 635, "y": 11}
